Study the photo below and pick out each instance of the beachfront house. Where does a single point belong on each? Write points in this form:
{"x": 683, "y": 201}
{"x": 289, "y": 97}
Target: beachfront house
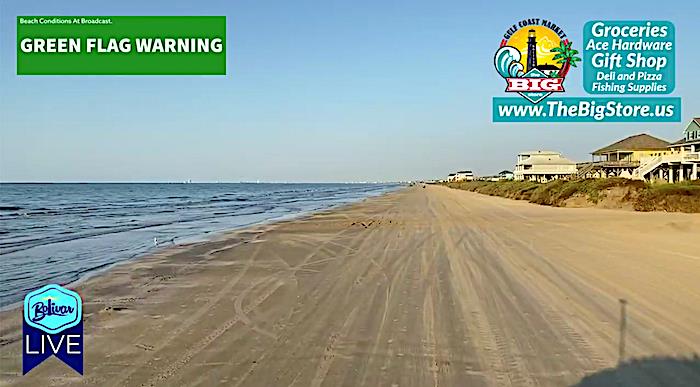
{"x": 622, "y": 158}
{"x": 543, "y": 166}
{"x": 679, "y": 162}
{"x": 691, "y": 138}
{"x": 501, "y": 176}
{"x": 505, "y": 175}
{"x": 463, "y": 176}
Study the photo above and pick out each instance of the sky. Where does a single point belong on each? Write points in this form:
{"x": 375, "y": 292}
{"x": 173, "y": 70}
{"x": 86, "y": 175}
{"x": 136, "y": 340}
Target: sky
{"x": 315, "y": 91}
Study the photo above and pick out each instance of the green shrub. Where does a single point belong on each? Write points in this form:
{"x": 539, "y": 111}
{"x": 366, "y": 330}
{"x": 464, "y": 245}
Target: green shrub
{"x": 683, "y": 196}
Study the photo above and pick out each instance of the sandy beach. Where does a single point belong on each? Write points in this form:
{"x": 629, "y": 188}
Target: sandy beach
{"x": 421, "y": 287}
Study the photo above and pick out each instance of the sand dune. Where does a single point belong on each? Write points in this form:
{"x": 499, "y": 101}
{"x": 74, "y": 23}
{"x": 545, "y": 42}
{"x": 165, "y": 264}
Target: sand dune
{"x": 423, "y": 287}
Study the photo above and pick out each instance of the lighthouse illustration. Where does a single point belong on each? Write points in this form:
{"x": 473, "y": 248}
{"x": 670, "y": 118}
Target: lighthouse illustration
{"x": 531, "y": 50}
{"x": 535, "y": 77}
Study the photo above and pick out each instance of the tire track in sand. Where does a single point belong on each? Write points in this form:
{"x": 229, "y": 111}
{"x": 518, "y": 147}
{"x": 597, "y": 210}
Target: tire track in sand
{"x": 209, "y": 339}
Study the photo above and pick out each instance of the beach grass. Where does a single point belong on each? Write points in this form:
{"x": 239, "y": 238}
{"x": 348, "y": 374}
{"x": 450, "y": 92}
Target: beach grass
{"x": 615, "y": 192}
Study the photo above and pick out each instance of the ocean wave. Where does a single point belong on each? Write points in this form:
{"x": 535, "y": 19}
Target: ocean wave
{"x": 60, "y": 232}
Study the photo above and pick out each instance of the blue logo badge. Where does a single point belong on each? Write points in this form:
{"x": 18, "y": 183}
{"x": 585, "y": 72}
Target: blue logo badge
{"x": 52, "y": 309}
{"x": 53, "y": 325}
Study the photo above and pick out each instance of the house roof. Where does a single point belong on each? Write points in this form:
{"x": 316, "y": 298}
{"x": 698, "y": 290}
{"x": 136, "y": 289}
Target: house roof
{"x": 547, "y": 160}
{"x": 504, "y": 172}
{"x": 695, "y": 120}
{"x": 637, "y": 142}
{"x": 539, "y": 152}
{"x": 683, "y": 141}
{"x": 464, "y": 172}
{"x": 695, "y": 123}
{"x": 546, "y": 66}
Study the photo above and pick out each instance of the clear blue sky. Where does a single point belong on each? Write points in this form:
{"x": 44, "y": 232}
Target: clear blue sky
{"x": 315, "y": 91}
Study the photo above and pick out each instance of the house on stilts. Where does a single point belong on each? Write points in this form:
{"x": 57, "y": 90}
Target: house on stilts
{"x": 680, "y": 163}
{"x": 645, "y": 157}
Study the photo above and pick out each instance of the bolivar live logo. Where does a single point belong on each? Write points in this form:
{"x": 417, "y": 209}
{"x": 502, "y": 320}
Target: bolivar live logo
{"x": 53, "y": 325}
{"x": 534, "y": 58}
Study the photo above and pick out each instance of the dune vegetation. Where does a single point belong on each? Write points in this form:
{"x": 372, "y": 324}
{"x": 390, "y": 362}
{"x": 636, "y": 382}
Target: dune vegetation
{"x": 609, "y": 193}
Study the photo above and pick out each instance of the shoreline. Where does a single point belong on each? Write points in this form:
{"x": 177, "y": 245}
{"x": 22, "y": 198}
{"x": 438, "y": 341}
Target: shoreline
{"x": 215, "y": 239}
{"x": 198, "y": 238}
{"x": 378, "y": 292}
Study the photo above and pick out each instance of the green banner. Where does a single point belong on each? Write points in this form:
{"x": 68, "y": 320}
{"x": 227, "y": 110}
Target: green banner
{"x": 121, "y": 45}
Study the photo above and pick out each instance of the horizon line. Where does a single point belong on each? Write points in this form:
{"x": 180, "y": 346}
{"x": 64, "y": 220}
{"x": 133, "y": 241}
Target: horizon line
{"x": 203, "y": 182}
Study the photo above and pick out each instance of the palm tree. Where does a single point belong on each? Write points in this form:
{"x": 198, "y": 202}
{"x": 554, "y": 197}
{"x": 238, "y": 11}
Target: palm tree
{"x": 566, "y": 57}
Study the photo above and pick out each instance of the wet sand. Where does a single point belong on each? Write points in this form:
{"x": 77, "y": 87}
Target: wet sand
{"x": 422, "y": 287}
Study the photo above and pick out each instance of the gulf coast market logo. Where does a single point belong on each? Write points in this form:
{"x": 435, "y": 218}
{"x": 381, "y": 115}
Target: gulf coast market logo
{"x": 534, "y": 58}
{"x": 52, "y": 325}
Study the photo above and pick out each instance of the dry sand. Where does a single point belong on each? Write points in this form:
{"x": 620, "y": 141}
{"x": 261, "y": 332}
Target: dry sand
{"x": 423, "y": 287}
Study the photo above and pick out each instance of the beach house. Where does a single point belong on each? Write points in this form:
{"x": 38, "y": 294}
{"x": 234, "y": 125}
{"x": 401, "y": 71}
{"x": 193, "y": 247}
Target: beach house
{"x": 678, "y": 162}
{"x": 543, "y": 166}
{"x": 622, "y": 158}
{"x": 501, "y": 176}
{"x": 690, "y": 143}
{"x": 505, "y": 175}
{"x": 463, "y": 176}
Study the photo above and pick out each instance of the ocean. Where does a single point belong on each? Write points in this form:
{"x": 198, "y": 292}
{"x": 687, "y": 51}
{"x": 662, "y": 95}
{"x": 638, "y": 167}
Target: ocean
{"x": 59, "y": 233}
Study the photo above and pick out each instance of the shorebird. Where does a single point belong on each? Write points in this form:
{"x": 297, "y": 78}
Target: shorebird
{"x": 155, "y": 240}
